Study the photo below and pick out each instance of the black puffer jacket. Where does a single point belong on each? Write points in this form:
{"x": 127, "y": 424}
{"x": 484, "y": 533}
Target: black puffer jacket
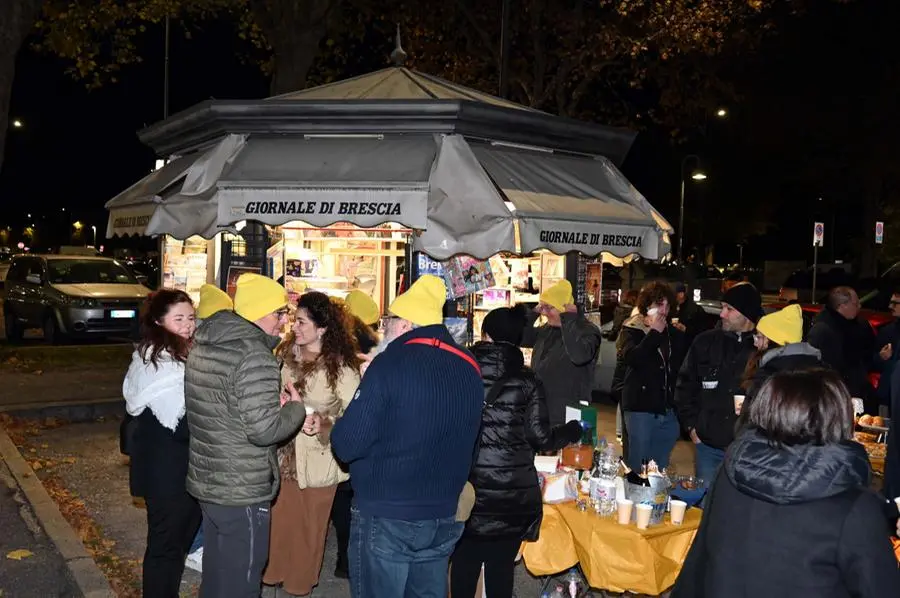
{"x": 649, "y": 362}
{"x": 795, "y": 521}
{"x": 514, "y": 426}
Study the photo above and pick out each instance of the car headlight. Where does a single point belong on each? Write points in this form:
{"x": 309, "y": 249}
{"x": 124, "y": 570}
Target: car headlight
{"x": 85, "y": 302}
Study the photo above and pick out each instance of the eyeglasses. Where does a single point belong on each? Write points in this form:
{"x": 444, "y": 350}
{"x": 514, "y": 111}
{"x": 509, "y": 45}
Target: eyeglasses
{"x": 893, "y": 303}
{"x": 283, "y": 313}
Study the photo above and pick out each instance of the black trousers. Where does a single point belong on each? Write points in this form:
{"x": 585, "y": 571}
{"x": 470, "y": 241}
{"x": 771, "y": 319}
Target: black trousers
{"x": 499, "y": 559}
{"x": 172, "y": 523}
{"x": 235, "y": 550}
{"x": 340, "y": 517}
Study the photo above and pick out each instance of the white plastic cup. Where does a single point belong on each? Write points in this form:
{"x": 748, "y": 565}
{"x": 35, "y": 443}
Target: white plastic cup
{"x": 309, "y": 410}
{"x": 643, "y": 515}
{"x": 897, "y": 502}
{"x": 624, "y": 507}
{"x": 679, "y": 507}
{"x": 738, "y": 403}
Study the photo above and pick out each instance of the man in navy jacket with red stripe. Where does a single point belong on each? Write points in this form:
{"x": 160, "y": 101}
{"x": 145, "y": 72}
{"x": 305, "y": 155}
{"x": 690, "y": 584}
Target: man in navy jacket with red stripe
{"x": 409, "y": 437}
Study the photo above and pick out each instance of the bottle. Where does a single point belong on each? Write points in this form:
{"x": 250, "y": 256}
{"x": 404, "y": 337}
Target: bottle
{"x": 631, "y": 477}
{"x": 573, "y": 583}
{"x": 558, "y": 592}
{"x": 609, "y": 469}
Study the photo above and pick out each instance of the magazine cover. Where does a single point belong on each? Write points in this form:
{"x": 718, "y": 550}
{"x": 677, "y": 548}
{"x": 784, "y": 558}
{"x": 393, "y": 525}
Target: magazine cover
{"x": 465, "y": 275}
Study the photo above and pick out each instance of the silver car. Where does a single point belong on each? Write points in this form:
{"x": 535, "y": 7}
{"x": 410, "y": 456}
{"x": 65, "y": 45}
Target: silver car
{"x": 71, "y": 296}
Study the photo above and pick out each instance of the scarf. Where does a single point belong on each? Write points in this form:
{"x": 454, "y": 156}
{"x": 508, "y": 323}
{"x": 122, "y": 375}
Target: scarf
{"x": 160, "y": 389}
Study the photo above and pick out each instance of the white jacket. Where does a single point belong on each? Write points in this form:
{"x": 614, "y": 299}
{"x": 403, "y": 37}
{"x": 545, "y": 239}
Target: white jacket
{"x": 161, "y": 389}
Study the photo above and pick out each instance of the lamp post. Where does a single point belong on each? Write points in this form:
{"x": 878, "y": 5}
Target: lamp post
{"x": 697, "y": 175}
{"x": 94, "y": 229}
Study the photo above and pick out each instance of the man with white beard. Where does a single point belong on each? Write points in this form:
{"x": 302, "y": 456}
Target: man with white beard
{"x": 408, "y": 437}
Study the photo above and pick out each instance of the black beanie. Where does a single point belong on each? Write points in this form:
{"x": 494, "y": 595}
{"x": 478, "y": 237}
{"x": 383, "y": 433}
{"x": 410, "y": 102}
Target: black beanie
{"x": 505, "y": 325}
{"x": 746, "y": 299}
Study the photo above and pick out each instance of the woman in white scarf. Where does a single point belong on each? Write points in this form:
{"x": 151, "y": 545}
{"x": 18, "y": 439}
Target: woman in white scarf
{"x": 154, "y": 395}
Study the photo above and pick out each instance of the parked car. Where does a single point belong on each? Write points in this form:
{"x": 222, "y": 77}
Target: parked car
{"x": 5, "y": 260}
{"x": 71, "y": 296}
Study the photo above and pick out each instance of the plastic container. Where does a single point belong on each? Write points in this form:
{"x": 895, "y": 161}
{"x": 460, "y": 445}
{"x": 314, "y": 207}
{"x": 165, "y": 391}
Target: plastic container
{"x": 655, "y": 495}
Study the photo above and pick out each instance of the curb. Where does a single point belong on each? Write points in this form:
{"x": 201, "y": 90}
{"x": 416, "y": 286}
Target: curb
{"x": 79, "y": 410}
{"x": 88, "y": 577}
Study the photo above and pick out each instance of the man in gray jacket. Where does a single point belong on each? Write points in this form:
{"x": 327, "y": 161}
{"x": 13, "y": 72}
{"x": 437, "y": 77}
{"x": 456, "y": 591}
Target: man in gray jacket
{"x": 234, "y": 408}
{"x": 565, "y": 351}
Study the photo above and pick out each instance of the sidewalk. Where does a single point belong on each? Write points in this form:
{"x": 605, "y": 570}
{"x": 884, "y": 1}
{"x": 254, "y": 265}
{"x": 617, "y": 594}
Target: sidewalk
{"x": 42, "y": 571}
{"x": 82, "y": 469}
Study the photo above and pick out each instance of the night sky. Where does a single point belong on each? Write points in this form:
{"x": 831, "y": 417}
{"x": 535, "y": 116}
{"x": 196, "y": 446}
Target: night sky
{"x": 767, "y": 162}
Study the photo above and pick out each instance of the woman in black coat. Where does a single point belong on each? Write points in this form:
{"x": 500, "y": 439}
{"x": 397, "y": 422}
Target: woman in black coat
{"x": 791, "y": 512}
{"x": 515, "y": 424}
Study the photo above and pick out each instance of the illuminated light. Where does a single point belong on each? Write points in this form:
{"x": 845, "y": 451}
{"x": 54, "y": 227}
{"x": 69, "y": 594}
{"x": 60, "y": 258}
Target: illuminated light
{"x": 696, "y": 294}
{"x": 17, "y": 124}
{"x": 699, "y": 176}
{"x": 721, "y": 113}
{"x": 239, "y": 226}
{"x": 21, "y": 245}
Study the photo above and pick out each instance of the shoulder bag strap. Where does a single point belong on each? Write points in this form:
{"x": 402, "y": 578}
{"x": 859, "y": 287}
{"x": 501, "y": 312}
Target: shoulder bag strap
{"x": 445, "y": 347}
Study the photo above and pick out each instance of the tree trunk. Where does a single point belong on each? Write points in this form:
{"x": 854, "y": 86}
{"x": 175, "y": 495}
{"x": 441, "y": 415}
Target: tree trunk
{"x": 17, "y": 17}
{"x": 294, "y": 55}
{"x": 294, "y": 29}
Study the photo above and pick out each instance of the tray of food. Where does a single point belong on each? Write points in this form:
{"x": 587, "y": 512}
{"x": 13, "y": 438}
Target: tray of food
{"x": 874, "y": 423}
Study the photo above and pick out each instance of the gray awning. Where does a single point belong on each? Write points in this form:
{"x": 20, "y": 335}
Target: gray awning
{"x": 571, "y": 203}
{"x": 130, "y": 211}
{"x": 366, "y": 181}
{"x": 177, "y": 199}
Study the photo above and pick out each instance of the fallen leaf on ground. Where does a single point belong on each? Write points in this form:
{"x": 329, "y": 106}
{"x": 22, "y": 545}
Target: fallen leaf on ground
{"x": 18, "y": 555}
{"x": 36, "y": 465}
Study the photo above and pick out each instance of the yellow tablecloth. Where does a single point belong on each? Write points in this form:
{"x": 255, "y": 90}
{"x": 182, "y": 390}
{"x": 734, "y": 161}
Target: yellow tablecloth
{"x": 613, "y": 557}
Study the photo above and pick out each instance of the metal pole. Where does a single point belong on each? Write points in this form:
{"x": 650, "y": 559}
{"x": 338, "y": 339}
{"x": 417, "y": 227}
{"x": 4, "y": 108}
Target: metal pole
{"x": 681, "y": 219}
{"x": 166, "y": 74}
{"x": 504, "y": 50}
{"x": 815, "y": 270}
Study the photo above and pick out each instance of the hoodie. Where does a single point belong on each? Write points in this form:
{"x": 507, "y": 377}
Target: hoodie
{"x": 794, "y": 521}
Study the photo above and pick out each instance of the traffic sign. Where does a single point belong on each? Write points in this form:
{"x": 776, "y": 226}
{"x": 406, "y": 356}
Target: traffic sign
{"x": 879, "y": 233}
{"x": 818, "y": 234}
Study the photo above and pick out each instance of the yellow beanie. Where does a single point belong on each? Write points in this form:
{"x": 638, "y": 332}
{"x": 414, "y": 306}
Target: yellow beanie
{"x": 362, "y": 306}
{"x": 423, "y": 303}
{"x": 258, "y": 296}
{"x": 784, "y": 326}
{"x": 559, "y": 295}
{"x": 213, "y": 300}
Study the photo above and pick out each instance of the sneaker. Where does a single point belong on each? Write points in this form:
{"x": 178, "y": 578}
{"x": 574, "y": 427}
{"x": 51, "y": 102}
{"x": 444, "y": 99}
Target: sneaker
{"x": 195, "y": 560}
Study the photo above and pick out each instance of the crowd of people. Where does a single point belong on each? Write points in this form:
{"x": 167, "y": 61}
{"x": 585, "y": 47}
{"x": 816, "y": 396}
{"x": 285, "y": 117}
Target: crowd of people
{"x": 259, "y": 422}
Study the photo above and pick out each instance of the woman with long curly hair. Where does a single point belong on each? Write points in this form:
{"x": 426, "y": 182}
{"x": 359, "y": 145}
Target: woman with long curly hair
{"x": 154, "y": 395}
{"x": 320, "y": 361}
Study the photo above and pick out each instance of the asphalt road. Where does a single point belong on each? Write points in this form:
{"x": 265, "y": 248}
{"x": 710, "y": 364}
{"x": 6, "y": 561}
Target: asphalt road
{"x": 43, "y": 573}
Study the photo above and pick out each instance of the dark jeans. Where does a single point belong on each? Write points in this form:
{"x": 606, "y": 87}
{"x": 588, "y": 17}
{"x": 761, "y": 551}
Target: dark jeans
{"x": 235, "y": 550}
{"x": 499, "y": 559}
{"x": 650, "y": 436}
{"x": 340, "y": 517}
{"x": 171, "y": 525}
{"x": 393, "y": 558}
{"x": 709, "y": 460}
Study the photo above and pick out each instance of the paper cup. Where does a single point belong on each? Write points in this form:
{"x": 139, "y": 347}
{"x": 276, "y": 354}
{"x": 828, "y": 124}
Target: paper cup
{"x": 738, "y": 403}
{"x": 897, "y": 502}
{"x": 310, "y": 410}
{"x": 675, "y": 320}
{"x": 624, "y": 507}
{"x": 643, "y": 515}
{"x": 678, "y": 509}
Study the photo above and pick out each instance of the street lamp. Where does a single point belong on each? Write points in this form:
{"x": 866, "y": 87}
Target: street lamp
{"x": 94, "y": 228}
{"x": 721, "y": 112}
{"x": 17, "y": 124}
{"x": 697, "y": 175}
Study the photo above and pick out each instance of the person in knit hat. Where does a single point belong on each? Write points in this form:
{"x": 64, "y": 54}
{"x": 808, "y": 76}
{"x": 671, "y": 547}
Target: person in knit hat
{"x": 365, "y": 314}
{"x": 408, "y": 437}
{"x": 565, "y": 350}
{"x": 237, "y": 413}
{"x": 713, "y": 373}
{"x": 213, "y": 300}
{"x": 779, "y": 347}
{"x": 515, "y": 425}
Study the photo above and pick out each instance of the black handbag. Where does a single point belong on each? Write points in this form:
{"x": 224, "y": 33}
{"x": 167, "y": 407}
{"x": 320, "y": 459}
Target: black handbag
{"x": 127, "y": 430}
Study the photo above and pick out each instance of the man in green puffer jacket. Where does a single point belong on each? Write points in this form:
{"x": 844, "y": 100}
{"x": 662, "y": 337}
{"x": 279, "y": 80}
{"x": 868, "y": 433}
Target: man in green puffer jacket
{"x": 234, "y": 408}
